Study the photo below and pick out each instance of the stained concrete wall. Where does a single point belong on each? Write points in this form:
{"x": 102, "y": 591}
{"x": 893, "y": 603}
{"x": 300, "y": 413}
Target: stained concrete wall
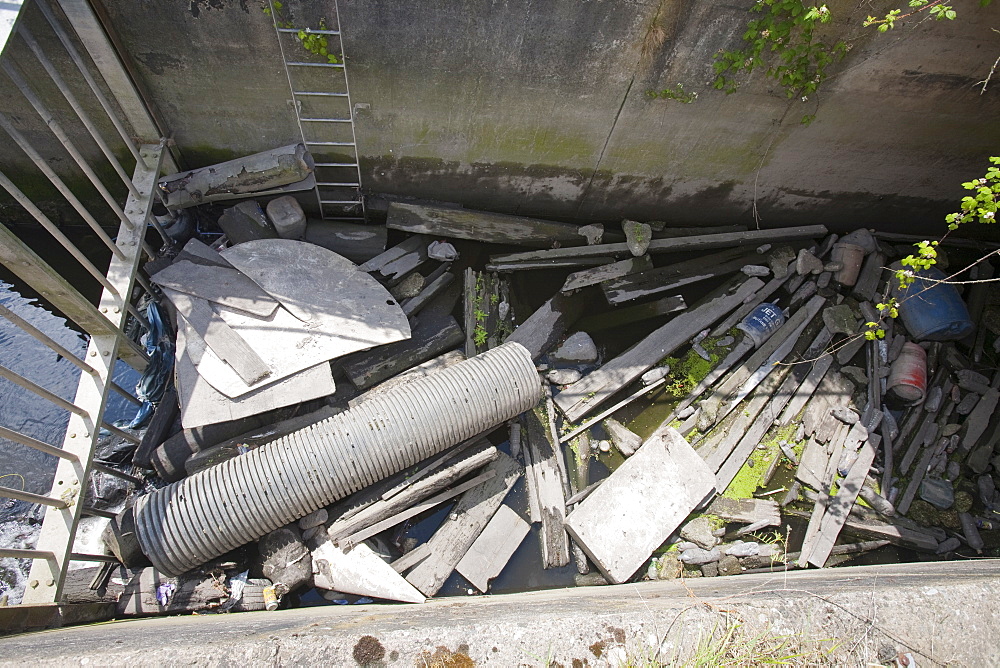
{"x": 541, "y": 108}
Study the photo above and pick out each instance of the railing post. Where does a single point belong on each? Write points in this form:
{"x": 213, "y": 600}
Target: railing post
{"x": 45, "y": 581}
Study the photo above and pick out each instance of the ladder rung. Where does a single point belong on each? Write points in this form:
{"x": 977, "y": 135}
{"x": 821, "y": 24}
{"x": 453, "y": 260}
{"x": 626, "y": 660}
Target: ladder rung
{"x": 310, "y": 31}
{"x": 353, "y": 202}
{"x": 338, "y": 185}
{"x": 326, "y": 120}
{"x": 317, "y": 93}
{"x": 330, "y": 143}
{"x": 335, "y": 164}
{"x": 301, "y": 64}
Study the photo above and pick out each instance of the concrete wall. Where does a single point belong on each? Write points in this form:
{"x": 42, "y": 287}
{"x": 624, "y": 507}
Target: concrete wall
{"x": 540, "y": 108}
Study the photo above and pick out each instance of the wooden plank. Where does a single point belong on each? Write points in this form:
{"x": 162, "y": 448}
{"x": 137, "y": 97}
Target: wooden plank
{"x": 481, "y": 226}
{"x": 673, "y": 232}
{"x": 587, "y": 394}
{"x": 220, "y": 285}
{"x": 581, "y": 279}
{"x": 868, "y": 279}
{"x": 229, "y": 346}
{"x": 546, "y": 326}
{"x": 549, "y": 487}
{"x": 746, "y": 511}
{"x": 493, "y": 549}
{"x": 411, "y": 558}
{"x": 412, "y": 306}
{"x": 822, "y": 500}
{"x": 910, "y": 493}
{"x": 839, "y": 508}
{"x": 619, "y": 317}
{"x": 812, "y": 464}
{"x": 423, "y": 506}
{"x": 430, "y": 338}
{"x": 467, "y": 520}
{"x": 679, "y": 274}
{"x": 556, "y": 263}
{"x": 405, "y": 248}
{"x": 677, "y": 245}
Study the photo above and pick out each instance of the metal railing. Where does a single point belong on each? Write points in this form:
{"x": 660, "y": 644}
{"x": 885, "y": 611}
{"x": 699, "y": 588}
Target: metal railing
{"x": 104, "y": 322}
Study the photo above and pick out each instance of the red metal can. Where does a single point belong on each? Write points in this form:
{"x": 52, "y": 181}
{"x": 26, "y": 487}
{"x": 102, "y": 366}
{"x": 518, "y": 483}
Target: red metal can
{"x": 907, "y": 381}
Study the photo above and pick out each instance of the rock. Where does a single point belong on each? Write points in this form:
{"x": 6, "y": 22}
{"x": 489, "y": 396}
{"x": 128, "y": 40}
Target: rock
{"x": 840, "y": 320}
{"x": 637, "y": 236}
{"x": 442, "y": 251}
{"x": 408, "y": 287}
{"x": 952, "y": 472}
{"x": 948, "y": 519}
{"x": 726, "y": 341}
{"x": 807, "y": 263}
{"x": 860, "y": 237}
{"x": 686, "y": 413}
{"x": 691, "y": 573}
{"x": 730, "y": 566}
{"x": 657, "y": 225}
{"x": 577, "y": 349}
{"x": 625, "y": 440}
{"x": 593, "y": 233}
{"x": 769, "y": 550}
{"x": 287, "y": 217}
{"x": 307, "y": 534}
{"x": 967, "y": 403}
{"x": 937, "y": 492}
{"x": 970, "y": 376}
{"x": 699, "y": 531}
{"x": 949, "y": 545}
{"x": 923, "y": 512}
{"x": 963, "y": 502}
{"x": 285, "y": 558}
{"x": 823, "y": 280}
{"x": 755, "y": 270}
{"x": 668, "y": 567}
{"x": 710, "y": 570}
{"x": 763, "y": 249}
{"x": 604, "y": 445}
{"x": 845, "y": 415}
{"x": 933, "y": 400}
{"x": 655, "y": 374}
{"x": 246, "y": 222}
{"x": 950, "y": 429}
{"x": 987, "y": 489}
{"x": 779, "y": 259}
{"x": 741, "y": 549}
{"x": 314, "y": 519}
{"x": 855, "y": 374}
{"x": 697, "y": 556}
{"x": 563, "y": 376}
{"x": 685, "y": 545}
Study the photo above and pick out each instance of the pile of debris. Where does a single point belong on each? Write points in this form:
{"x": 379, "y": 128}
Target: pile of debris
{"x": 708, "y": 403}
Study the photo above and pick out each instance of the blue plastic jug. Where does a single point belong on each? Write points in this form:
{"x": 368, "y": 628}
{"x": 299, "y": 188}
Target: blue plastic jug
{"x": 933, "y": 311}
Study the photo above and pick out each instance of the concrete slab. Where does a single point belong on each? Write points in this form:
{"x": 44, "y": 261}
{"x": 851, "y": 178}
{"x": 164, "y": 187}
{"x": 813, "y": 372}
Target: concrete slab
{"x": 493, "y": 549}
{"x": 360, "y": 571}
{"x": 640, "y": 505}
{"x": 221, "y": 285}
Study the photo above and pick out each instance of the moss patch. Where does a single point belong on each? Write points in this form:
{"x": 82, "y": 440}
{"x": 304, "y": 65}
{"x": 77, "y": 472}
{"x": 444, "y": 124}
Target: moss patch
{"x": 751, "y": 475}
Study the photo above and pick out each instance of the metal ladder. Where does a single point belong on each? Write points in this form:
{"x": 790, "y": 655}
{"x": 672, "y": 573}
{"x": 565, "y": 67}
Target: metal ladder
{"x": 321, "y": 99}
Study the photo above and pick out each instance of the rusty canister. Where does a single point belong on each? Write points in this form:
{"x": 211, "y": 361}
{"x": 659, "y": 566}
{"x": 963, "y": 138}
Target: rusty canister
{"x": 850, "y": 256}
{"x": 907, "y": 382}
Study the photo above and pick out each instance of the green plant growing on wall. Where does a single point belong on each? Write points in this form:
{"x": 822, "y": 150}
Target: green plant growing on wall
{"x": 936, "y": 9}
{"x": 316, "y": 44}
{"x": 785, "y": 42}
{"x": 676, "y": 93}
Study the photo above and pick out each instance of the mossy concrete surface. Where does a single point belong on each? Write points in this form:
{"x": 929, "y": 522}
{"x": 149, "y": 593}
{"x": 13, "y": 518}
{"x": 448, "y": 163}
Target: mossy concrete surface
{"x": 943, "y": 613}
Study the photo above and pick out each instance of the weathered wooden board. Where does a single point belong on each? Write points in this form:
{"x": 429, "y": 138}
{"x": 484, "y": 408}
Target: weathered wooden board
{"x": 639, "y": 505}
{"x": 471, "y": 515}
{"x": 546, "y": 326}
{"x": 548, "y": 485}
{"x": 746, "y": 511}
{"x": 431, "y": 290}
{"x": 672, "y": 277}
{"x": 221, "y": 285}
{"x": 555, "y": 263}
{"x": 619, "y": 317}
{"x": 580, "y": 279}
{"x": 677, "y": 245}
{"x": 481, "y": 226}
{"x": 415, "y": 244}
{"x": 431, "y": 337}
{"x": 587, "y": 394}
{"x": 494, "y": 548}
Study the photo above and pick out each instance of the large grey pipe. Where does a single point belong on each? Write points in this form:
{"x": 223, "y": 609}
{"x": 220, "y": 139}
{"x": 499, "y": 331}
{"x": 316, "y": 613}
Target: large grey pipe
{"x": 201, "y": 517}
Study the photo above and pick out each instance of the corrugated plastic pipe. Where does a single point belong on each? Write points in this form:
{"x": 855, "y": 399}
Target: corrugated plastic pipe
{"x": 212, "y": 512}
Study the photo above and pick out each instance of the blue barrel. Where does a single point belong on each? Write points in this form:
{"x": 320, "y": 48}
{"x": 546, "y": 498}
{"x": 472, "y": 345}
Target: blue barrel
{"x": 762, "y": 322}
{"x": 933, "y": 311}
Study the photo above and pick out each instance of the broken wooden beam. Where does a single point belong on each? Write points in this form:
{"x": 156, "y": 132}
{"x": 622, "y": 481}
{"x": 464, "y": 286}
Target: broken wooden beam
{"x": 549, "y": 323}
{"x": 548, "y": 486}
{"x": 675, "y": 276}
{"x": 581, "y": 279}
{"x": 619, "y": 317}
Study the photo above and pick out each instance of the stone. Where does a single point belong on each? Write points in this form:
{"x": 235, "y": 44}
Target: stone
{"x": 637, "y": 236}
{"x": 726, "y": 341}
{"x": 860, "y": 237}
{"x": 963, "y": 502}
{"x": 952, "y": 472}
{"x": 741, "y": 549}
{"x": 668, "y": 567}
{"x": 755, "y": 270}
{"x": 937, "y": 492}
{"x": 729, "y": 565}
{"x": 655, "y": 374}
{"x": 950, "y": 429}
{"x": 604, "y": 445}
{"x": 779, "y": 259}
{"x": 285, "y": 558}
{"x": 246, "y": 222}
{"x": 686, "y": 412}
{"x": 763, "y": 249}
{"x": 855, "y": 374}
{"x": 710, "y": 570}
{"x": 967, "y": 403}
{"x": 691, "y": 573}
{"x": 933, "y": 400}
{"x": 949, "y": 545}
{"x": 841, "y": 320}
{"x": 699, "y": 531}
{"x": 657, "y": 225}
{"x": 409, "y": 287}
{"x": 845, "y": 415}
{"x": 640, "y": 505}
{"x": 287, "y": 217}
{"x": 769, "y": 550}
{"x": 563, "y": 376}
{"x": 987, "y": 489}
{"x": 577, "y": 349}
{"x": 923, "y": 512}
{"x": 624, "y": 439}
{"x": 807, "y": 263}
{"x": 697, "y": 556}
{"x": 823, "y": 280}
{"x": 593, "y": 233}
{"x": 314, "y": 519}
{"x": 685, "y": 545}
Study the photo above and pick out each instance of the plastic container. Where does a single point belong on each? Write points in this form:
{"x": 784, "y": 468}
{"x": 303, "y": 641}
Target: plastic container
{"x": 850, "y": 256}
{"x": 907, "y": 382}
{"x": 933, "y": 311}
{"x": 762, "y": 322}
